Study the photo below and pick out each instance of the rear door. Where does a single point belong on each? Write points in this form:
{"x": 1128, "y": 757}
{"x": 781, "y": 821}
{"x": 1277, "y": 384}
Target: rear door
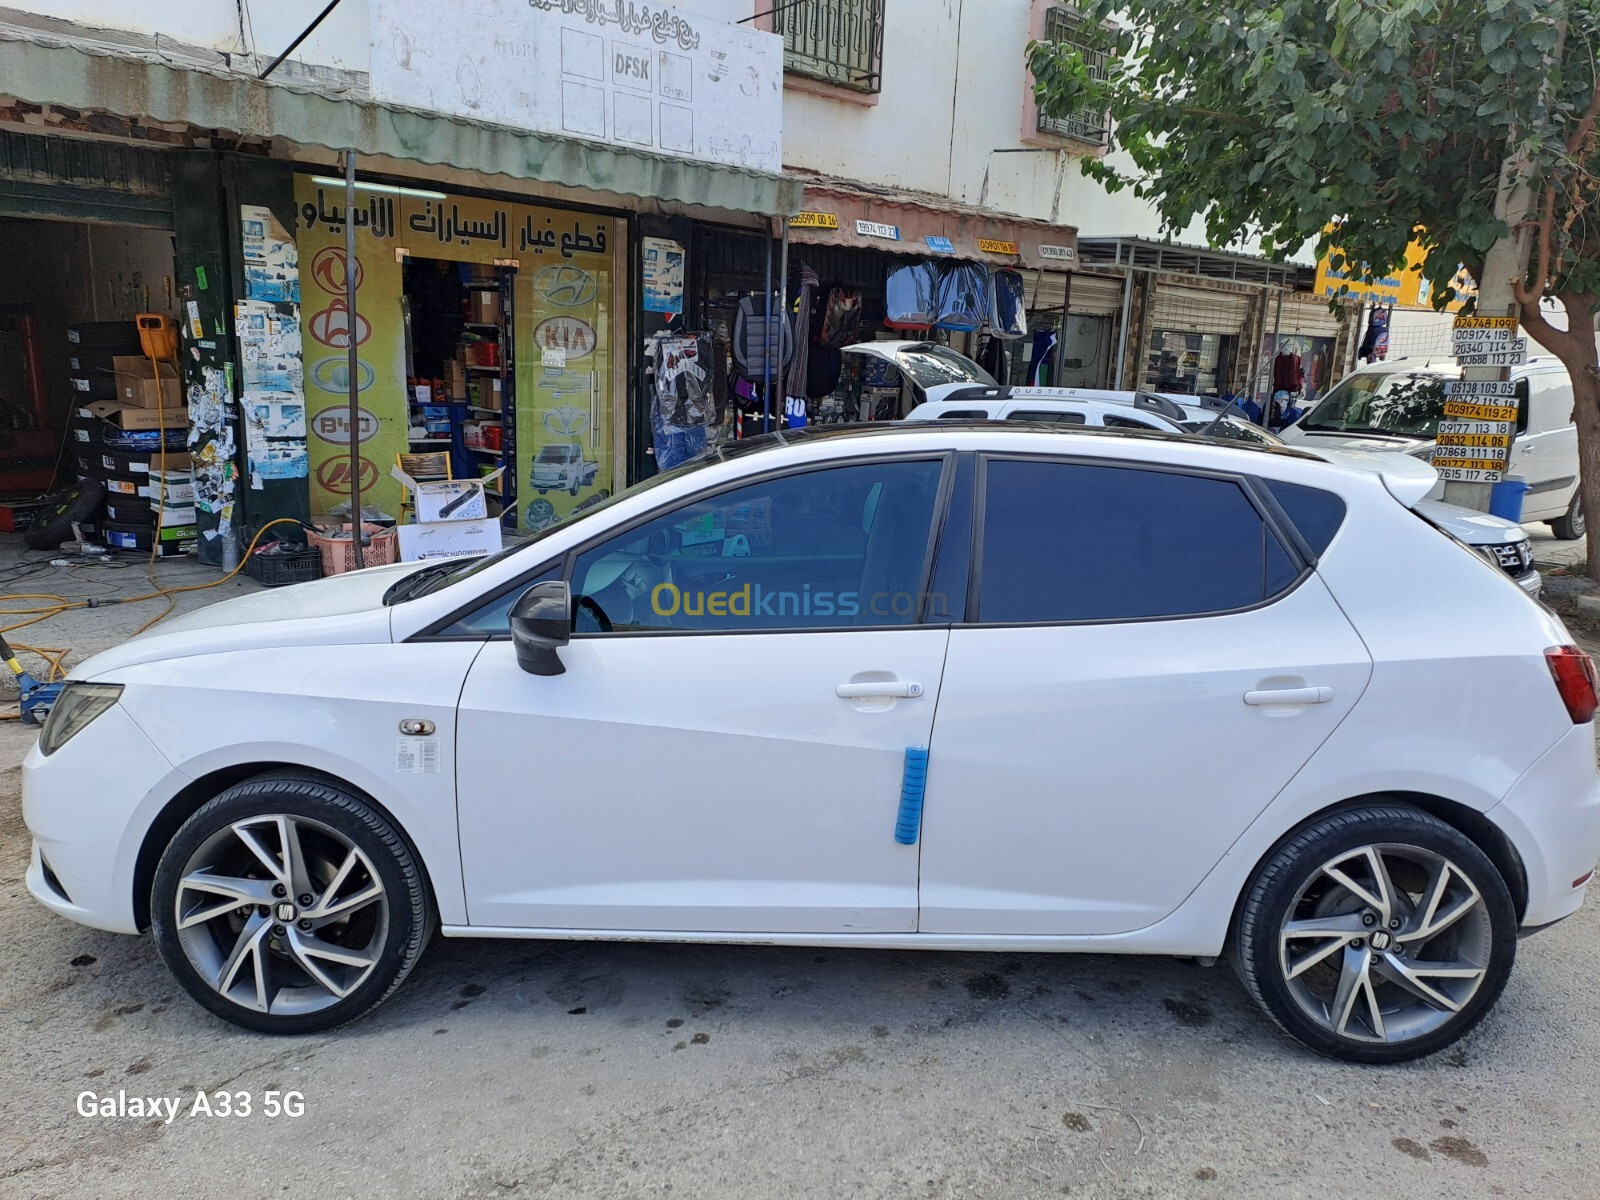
{"x": 1133, "y": 684}
{"x": 1546, "y": 449}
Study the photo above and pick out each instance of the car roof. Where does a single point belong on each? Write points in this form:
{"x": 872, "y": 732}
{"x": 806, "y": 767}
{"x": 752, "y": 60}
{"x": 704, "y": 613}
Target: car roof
{"x": 826, "y": 434}
{"x": 1444, "y": 365}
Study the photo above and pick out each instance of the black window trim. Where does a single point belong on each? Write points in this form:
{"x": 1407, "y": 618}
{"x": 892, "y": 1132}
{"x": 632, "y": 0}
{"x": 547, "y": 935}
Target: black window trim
{"x": 1255, "y": 491}
{"x": 946, "y": 459}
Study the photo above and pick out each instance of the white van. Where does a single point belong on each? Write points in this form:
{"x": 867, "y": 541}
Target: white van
{"x": 1397, "y": 405}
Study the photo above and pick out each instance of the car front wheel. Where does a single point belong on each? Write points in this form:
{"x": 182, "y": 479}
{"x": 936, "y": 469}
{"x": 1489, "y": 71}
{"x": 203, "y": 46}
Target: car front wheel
{"x": 1376, "y": 935}
{"x": 287, "y": 905}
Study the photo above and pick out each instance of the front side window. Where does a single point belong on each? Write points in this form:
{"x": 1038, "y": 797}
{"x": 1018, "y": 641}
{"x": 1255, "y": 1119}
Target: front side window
{"x": 1402, "y": 403}
{"x": 830, "y": 548}
{"x": 1081, "y": 542}
{"x": 1048, "y": 417}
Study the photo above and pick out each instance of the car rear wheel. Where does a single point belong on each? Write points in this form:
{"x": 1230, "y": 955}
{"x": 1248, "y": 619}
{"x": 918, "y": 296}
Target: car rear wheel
{"x": 1376, "y": 935}
{"x": 1571, "y": 527}
{"x": 287, "y": 905}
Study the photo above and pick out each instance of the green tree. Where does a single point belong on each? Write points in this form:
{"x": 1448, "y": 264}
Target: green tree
{"x": 1393, "y": 118}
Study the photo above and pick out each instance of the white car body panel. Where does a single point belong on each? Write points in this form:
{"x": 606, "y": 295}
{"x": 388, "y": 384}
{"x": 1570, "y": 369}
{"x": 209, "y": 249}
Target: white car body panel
{"x": 310, "y": 677}
{"x": 734, "y": 807}
{"x": 1038, "y": 729}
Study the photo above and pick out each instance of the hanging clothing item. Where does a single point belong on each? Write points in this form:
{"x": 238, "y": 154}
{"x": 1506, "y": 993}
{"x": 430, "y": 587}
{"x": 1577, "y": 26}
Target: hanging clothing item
{"x": 1288, "y": 374}
{"x": 963, "y": 297}
{"x": 682, "y": 403}
{"x": 1008, "y": 317}
{"x": 911, "y": 296}
{"x": 1375, "y": 342}
{"x": 992, "y": 357}
{"x": 1044, "y": 352}
{"x": 755, "y": 344}
{"x": 794, "y": 389}
{"x": 823, "y": 371}
{"x": 840, "y": 317}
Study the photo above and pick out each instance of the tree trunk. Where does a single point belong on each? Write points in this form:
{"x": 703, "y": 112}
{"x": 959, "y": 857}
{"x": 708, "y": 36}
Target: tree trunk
{"x": 1575, "y": 347}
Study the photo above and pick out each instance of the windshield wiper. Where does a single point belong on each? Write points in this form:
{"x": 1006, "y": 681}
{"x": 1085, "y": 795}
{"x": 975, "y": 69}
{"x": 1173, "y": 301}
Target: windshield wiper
{"x": 407, "y": 588}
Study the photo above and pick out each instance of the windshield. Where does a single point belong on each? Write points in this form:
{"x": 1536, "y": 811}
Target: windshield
{"x": 1231, "y": 429}
{"x": 1400, "y": 403}
{"x": 929, "y": 365}
{"x": 557, "y": 454}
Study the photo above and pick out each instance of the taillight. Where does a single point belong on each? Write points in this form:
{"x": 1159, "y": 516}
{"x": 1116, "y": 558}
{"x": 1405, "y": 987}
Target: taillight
{"x": 1573, "y": 671}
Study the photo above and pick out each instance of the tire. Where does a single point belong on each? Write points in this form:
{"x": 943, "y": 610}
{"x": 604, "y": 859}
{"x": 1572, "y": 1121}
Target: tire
{"x": 306, "y": 989}
{"x": 54, "y": 524}
{"x": 124, "y": 511}
{"x": 1301, "y": 982}
{"x": 1571, "y": 527}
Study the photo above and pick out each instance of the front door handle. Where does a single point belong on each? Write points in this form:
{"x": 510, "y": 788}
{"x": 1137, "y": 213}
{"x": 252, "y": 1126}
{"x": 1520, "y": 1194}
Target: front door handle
{"x": 886, "y": 688}
{"x": 1305, "y": 695}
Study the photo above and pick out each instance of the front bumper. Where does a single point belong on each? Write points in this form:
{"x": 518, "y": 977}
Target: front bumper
{"x": 88, "y": 806}
{"x": 1552, "y": 816}
{"x": 1532, "y": 582}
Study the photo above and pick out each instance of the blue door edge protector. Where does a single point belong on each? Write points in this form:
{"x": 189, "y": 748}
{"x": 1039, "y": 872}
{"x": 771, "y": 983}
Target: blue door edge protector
{"x": 913, "y": 783}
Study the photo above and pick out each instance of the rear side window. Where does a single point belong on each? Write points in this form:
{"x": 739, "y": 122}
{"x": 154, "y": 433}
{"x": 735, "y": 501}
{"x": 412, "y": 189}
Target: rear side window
{"x": 1129, "y": 423}
{"x": 964, "y": 414}
{"x": 1078, "y": 542}
{"x": 1316, "y": 514}
{"x": 1052, "y": 418}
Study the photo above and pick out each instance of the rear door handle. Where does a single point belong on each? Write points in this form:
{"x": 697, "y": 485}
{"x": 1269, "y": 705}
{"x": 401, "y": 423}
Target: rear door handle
{"x": 1306, "y": 695}
{"x": 887, "y": 688}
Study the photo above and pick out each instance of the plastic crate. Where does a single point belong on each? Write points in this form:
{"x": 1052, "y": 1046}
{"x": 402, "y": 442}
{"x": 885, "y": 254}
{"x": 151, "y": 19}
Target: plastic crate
{"x": 338, "y": 553}
{"x": 276, "y": 570}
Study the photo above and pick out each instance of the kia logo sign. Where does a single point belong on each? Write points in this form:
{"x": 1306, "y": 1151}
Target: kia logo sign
{"x": 333, "y": 425}
{"x": 569, "y": 335}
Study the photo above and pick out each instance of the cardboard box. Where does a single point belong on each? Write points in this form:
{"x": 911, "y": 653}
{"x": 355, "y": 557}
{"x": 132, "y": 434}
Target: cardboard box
{"x": 449, "y": 539}
{"x": 485, "y": 307}
{"x": 450, "y": 500}
{"x": 132, "y": 417}
{"x": 139, "y": 386}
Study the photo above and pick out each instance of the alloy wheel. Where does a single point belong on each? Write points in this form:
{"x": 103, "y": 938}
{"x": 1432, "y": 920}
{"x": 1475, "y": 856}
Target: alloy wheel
{"x": 1385, "y": 943}
{"x": 281, "y": 914}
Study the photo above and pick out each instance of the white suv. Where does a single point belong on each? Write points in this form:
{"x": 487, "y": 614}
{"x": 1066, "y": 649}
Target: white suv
{"x": 1397, "y": 405}
{"x": 862, "y": 688}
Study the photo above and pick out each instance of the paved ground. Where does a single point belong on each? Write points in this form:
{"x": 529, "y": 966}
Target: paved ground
{"x": 523, "y": 1070}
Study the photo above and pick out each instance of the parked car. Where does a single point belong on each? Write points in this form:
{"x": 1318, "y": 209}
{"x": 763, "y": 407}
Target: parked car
{"x": 1504, "y": 543}
{"x": 862, "y": 688}
{"x": 561, "y": 467}
{"x": 1397, "y": 405}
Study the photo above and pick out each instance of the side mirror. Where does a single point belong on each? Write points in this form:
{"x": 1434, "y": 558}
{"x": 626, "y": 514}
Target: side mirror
{"x": 541, "y": 623}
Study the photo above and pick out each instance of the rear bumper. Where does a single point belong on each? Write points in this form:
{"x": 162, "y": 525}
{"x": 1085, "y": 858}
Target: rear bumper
{"x": 1552, "y": 816}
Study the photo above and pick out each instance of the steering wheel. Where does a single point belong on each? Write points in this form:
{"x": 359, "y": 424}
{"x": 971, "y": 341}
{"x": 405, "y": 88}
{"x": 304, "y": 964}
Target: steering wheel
{"x": 599, "y": 614}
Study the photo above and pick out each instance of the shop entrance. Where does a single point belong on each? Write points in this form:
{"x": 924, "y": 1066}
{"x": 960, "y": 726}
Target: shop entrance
{"x": 460, "y": 373}
{"x": 69, "y": 343}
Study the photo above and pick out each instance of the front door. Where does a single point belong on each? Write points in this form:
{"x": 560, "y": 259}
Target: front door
{"x": 1137, "y": 685}
{"x": 726, "y": 747}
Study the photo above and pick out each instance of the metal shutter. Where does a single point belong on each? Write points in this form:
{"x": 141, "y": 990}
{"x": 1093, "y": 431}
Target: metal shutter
{"x": 1198, "y": 310}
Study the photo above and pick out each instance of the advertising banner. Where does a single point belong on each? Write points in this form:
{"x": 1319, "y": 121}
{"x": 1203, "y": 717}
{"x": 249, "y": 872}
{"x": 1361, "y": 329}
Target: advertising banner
{"x": 561, "y": 337}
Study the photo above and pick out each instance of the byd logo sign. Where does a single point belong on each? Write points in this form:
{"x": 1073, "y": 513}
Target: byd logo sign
{"x": 333, "y": 425}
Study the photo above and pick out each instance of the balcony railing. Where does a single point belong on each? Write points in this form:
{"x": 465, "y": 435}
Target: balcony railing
{"x": 840, "y": 41}
{"x": 1064, "y": 26}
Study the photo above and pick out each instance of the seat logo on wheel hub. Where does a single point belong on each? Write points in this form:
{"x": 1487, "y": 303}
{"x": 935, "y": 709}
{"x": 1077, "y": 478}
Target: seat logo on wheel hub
{"x": 1380, "y": 938}
{"x": 284, "y": 911}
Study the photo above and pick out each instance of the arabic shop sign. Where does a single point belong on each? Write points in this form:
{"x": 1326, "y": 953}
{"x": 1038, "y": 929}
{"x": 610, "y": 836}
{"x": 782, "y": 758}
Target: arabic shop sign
{"x": 480, "y": 230}
{"x": 642, "y": 75}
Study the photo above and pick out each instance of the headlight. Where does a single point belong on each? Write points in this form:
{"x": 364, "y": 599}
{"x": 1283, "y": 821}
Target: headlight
{"x": 78, "y": 704}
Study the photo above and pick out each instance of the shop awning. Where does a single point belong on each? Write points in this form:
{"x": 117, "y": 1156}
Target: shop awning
{"x": 924, "y": 225}
{"x": 50, "y": 70}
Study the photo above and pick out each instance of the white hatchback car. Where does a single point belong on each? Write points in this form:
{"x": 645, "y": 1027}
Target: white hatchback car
{"x": 936, "y": 686}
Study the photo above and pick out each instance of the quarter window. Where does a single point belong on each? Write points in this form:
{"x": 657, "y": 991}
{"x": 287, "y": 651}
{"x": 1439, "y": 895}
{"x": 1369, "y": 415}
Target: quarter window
{"x": 824, "y": 549}
{"x": 1078, "y": 542}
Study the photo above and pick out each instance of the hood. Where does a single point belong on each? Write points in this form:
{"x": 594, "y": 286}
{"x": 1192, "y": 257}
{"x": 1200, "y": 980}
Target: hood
{"x": 1307, "y": 440}
{"x": 1470, "y": 526}
{"x": 345, "y": 608}
{"x": 1408, "y": 478}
